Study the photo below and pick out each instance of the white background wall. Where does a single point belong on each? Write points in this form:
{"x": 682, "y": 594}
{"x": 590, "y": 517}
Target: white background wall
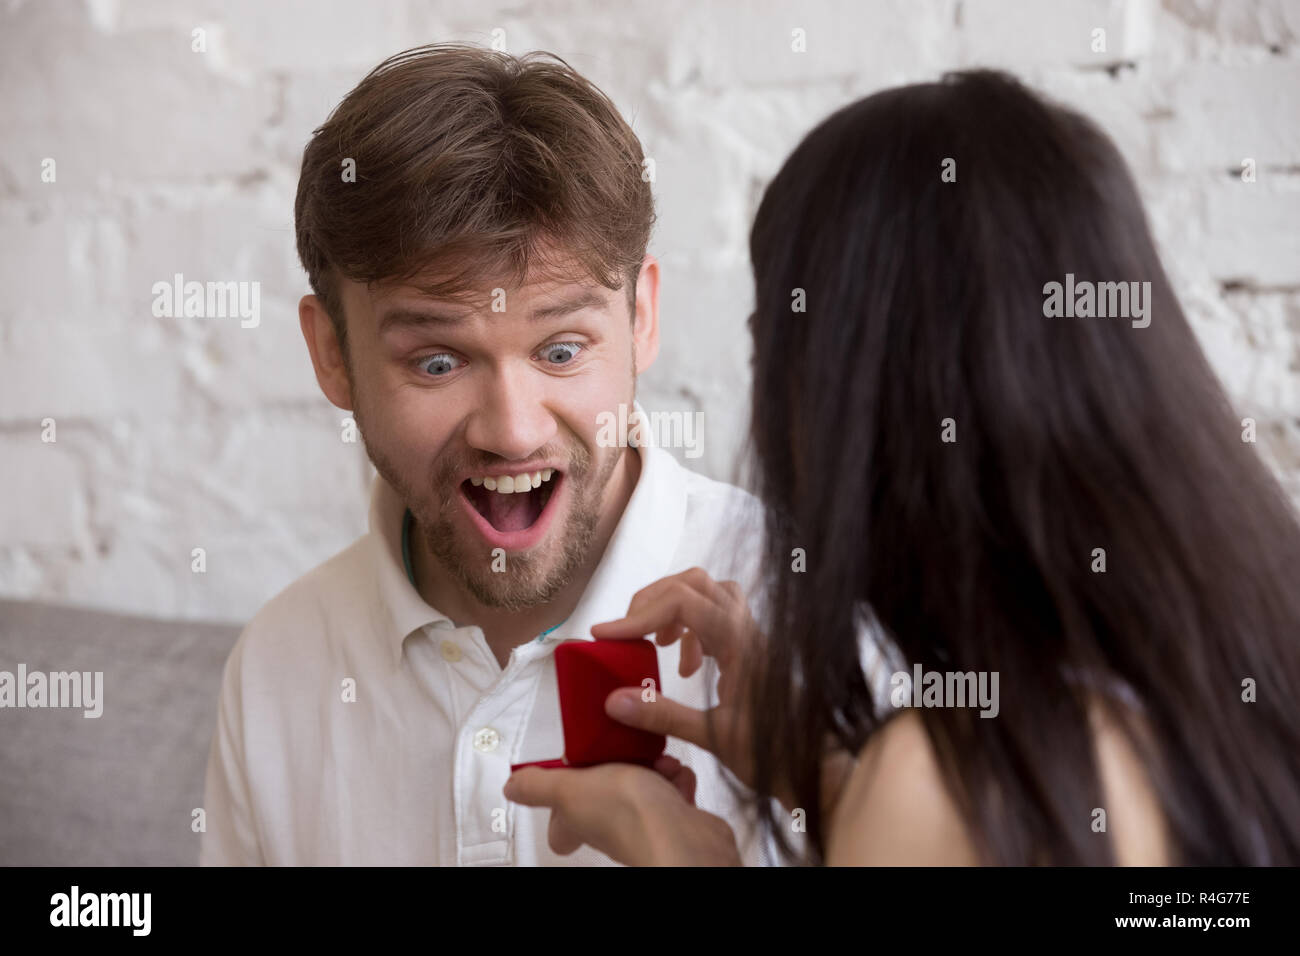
{"x": 175, "y": 434}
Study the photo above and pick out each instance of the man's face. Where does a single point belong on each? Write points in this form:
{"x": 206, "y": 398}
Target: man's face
{"x": 485, "y": 422}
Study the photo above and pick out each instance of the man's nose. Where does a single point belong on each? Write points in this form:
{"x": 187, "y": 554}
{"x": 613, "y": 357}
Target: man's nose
{"x": 511, "y": 419}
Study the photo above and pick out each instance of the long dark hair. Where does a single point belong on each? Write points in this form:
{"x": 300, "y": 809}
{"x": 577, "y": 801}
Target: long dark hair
{"x": 923, "y": 302}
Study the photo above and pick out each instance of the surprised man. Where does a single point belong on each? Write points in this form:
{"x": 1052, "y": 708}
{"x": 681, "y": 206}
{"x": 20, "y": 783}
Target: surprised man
{"x": 474, "y": 228}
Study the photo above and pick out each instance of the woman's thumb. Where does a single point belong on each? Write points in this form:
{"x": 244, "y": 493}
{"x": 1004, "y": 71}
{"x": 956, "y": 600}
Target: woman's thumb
{"x": 658, "y": 715}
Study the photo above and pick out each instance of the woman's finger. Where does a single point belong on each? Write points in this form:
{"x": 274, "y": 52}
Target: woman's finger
{"x": 667, "y": 764}
{"x": 659, "y": 716}
{"x": 692, "y": 655}
{"x": 684, "y": 781}
{"x": 672, "y": 633}
{"x": 562, "y": 840}
{"x": 714, "y": 625}
{"x": 696, "y": 579}
{"x": 678, "y": 774}
{"x": 532, "y": 787}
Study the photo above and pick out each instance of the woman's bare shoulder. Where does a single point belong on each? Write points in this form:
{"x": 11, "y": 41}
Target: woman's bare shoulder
{"x": 1133, "y": 814}
{"x": 895, "y": 809}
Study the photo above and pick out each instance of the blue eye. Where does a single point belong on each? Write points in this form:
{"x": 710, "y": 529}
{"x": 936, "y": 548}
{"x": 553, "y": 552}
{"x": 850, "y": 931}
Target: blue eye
{"x": 561, "y": 353}
{"x": 440, "y": 364}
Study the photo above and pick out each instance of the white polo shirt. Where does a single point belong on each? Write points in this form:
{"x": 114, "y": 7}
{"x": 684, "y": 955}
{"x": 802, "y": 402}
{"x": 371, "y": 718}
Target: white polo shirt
{"x": 410, "y": 771}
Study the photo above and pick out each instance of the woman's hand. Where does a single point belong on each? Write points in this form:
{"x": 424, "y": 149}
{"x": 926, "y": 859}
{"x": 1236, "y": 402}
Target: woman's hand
{"x": 710, "y": 618}
{"x": 633, "y": 815}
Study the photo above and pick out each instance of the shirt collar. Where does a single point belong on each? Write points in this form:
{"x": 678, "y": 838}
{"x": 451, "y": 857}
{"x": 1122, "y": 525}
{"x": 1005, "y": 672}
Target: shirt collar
{"x": 401, "y": 611}
{"x": 639, "y": 551}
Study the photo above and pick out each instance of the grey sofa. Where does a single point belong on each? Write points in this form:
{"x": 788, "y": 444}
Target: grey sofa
{"x": 120, "y": 789}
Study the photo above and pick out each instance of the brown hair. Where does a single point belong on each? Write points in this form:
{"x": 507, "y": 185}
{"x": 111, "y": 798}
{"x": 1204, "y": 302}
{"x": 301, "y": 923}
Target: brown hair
{"x": 469, "y": 161}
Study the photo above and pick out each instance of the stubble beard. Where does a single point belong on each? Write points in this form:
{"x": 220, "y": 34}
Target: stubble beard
{"x": 528, "y": 579}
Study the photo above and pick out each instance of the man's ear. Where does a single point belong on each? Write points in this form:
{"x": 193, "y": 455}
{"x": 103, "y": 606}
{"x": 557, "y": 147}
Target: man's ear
{"x": 326, "y": 355}
{"x": 645, "y": 323}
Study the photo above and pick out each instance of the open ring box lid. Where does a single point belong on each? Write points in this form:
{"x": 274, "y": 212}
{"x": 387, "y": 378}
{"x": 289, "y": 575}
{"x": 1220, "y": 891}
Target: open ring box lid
{"x": 586, "y": 673}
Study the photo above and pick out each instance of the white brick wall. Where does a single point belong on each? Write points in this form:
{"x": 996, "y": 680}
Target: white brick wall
{"x": 175, "y": 435}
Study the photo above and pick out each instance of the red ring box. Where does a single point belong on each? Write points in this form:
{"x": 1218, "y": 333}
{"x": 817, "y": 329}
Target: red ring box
{"x": 586, "y": 673}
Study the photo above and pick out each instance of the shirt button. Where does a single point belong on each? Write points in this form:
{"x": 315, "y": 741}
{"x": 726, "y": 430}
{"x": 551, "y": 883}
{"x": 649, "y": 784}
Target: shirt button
{"x": 450, "y": 651}
{"x": 486, "y": 740}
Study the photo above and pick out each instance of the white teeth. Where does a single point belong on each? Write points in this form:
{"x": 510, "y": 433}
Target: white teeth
{"x": 512, "y": 484}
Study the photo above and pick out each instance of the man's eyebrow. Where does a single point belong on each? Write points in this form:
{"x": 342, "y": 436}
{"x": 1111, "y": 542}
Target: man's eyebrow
{"x": 405, "y": 316}
{"x": 410, "y": 316}
{"x": 590, "y": 299}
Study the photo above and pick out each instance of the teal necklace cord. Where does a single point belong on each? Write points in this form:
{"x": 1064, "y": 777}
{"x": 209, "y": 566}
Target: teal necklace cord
{"x": 410, "y": 572}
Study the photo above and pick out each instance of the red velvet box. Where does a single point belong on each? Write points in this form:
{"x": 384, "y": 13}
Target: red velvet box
{"x": 586, "y": 672}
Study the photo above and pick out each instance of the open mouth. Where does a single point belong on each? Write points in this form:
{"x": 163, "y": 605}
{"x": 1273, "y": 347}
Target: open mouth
{"x": 511, "y": 502}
